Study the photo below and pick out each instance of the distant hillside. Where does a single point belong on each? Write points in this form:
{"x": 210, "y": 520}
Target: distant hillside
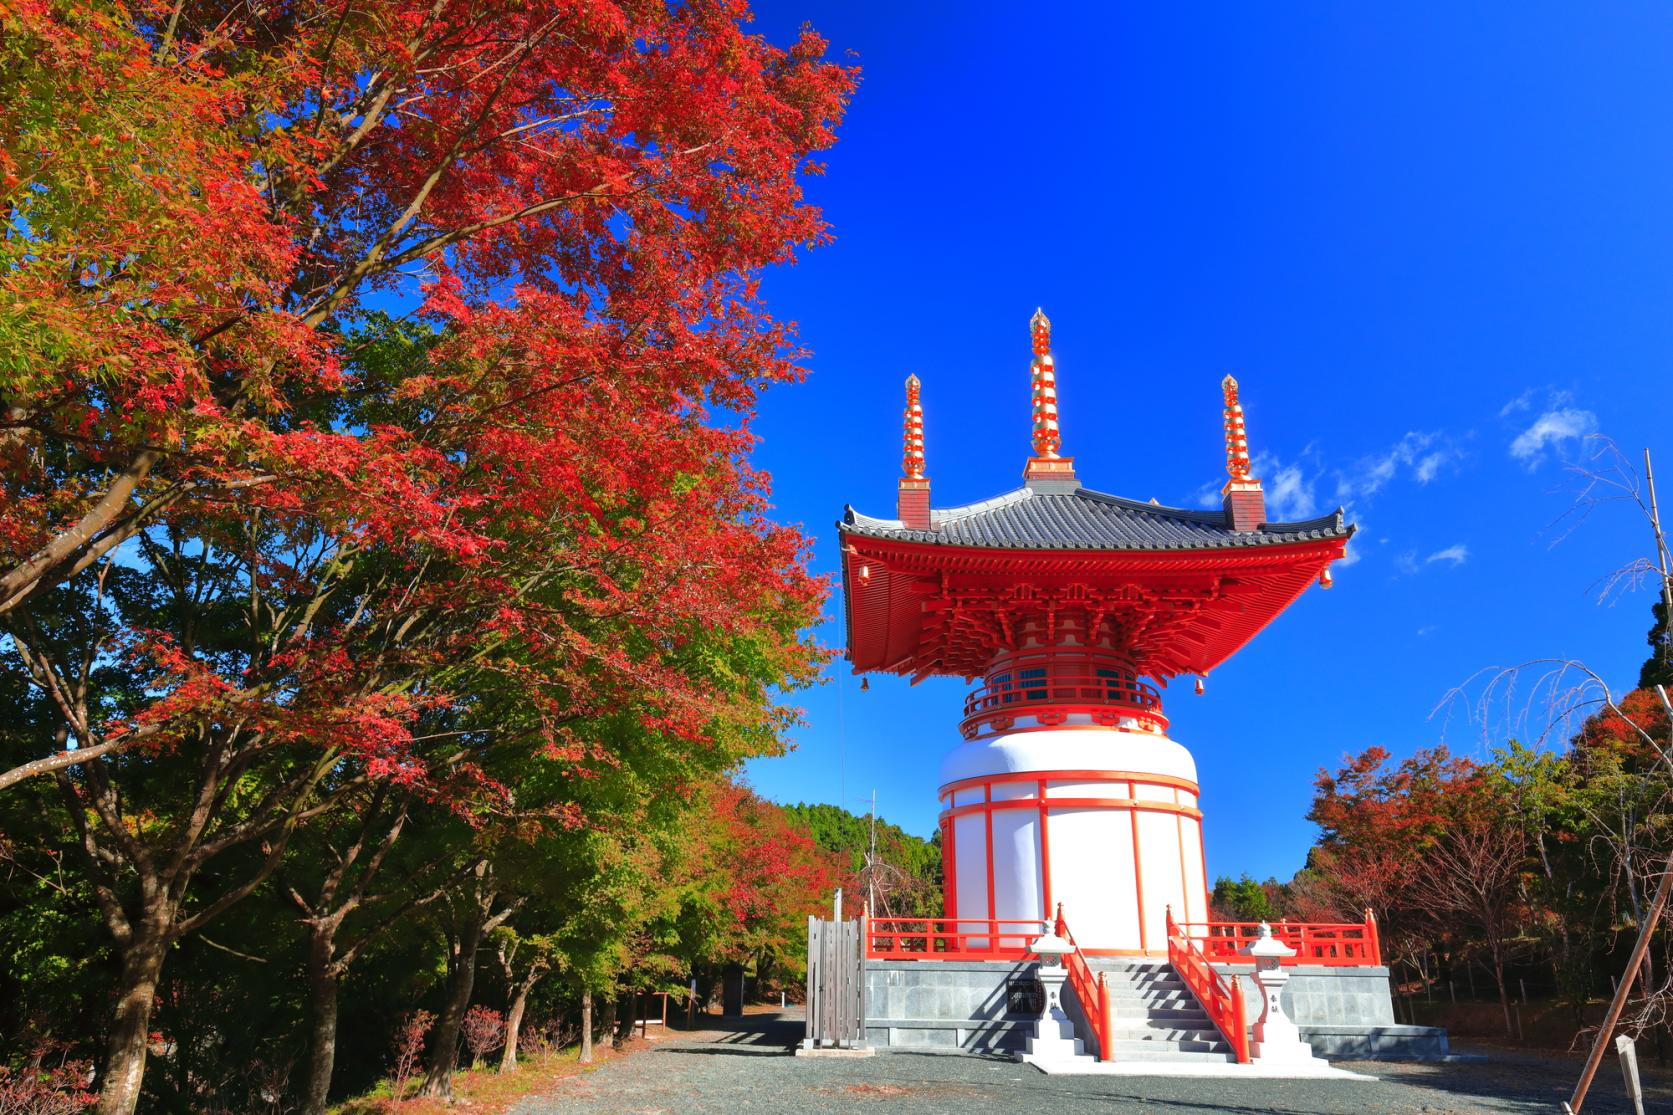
{"x": 907, "y": 877}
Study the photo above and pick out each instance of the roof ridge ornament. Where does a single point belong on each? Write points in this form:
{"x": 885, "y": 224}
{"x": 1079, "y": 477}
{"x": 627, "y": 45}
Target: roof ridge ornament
{"x": 912, "y": 462}
{"x": 1237, "y": 435}
{"x": 1245, "y": 501}
{"x": 1047, "y": 470}
{"x": 1047, "y": 437}
{"x": 912, "y": 498}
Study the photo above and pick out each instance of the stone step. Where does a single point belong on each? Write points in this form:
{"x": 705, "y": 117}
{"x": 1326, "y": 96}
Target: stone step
{"x": 1125, "y": 1046}
{"x": 1168, "y": 1033}
{"x": 1149, "y": 993}
{"x": 1176, "y": 1058}
{"x": 1192, "y": 1013}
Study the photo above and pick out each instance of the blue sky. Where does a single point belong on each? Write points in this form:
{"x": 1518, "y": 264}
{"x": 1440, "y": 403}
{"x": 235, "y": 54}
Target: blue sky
{"x": 1433, "y": 242}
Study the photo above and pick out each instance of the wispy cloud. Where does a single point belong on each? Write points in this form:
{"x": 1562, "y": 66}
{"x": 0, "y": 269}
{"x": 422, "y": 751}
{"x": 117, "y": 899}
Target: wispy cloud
{"x": 1457, "y": 554}
{"x": 1290, "y": 493}
{"x": 1551, "y": 432}
{"x": 1427, "y": 630}
{"x": 1524, "y": 401}
{"x": 1408, "y": 564}
{"x": 1420, "y": 454}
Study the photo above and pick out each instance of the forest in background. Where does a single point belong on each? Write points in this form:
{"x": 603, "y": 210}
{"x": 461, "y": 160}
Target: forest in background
{"x": 1528, "y": 871}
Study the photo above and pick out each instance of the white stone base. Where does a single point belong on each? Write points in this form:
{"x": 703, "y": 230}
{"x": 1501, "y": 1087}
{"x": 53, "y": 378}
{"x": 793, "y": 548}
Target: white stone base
{"x": 1054, "y": 1044}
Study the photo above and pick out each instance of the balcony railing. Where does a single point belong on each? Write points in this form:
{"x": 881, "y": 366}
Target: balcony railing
{"x": 1337, "y": 944}
{"x": 1057, "y": 691}
{"x": 950, "y": 938}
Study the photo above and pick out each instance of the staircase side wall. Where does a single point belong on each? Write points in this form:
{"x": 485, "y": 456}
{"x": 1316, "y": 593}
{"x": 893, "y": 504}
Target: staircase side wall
{"x": 959, "y": 1006}
{"x": 1343, "y": 1012}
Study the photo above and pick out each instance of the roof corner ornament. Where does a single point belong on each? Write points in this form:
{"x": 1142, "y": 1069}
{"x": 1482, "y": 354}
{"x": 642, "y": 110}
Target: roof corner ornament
{"x": 1047, "y": 463}
{"x": 1245, "y": 501}
{"x": 912, "y": 463}
{"x": 912, "y": 498}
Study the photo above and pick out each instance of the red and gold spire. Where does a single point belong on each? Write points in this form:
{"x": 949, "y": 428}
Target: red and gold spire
{"x": 1245, "y": 500}
{"x": 912, "y": 463}
{"x": 912, "y": 501}
{"x": 1046, "y": 463}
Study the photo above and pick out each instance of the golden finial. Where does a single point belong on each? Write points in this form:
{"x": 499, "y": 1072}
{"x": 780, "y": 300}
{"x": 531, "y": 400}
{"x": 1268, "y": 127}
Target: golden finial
{"x": 912, "y": 464}
{"x": 1047, "y": 440}
{"x": 1237, "y": 437}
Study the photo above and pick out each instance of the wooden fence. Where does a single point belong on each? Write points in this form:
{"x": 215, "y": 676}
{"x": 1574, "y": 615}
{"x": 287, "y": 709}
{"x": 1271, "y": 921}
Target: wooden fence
{"x": 836, "y": 984}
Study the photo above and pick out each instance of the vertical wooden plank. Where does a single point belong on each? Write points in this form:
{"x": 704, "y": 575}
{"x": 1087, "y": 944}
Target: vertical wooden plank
{"x": 810, "y": 1023}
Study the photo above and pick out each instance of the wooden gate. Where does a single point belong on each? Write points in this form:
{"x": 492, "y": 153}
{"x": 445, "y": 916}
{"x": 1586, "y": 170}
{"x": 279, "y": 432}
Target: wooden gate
{"x": 836, "y": 985}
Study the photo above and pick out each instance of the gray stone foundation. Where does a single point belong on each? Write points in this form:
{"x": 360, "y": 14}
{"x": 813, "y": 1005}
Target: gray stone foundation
{"x": 964, "y": 1006}
{"x": 952, "y": 1005}
{"x": 1343, "y": 1012}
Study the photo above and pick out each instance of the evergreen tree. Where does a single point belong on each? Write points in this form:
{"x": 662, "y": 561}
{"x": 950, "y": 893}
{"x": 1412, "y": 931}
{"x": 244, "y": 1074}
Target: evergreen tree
{"x": 1658, "y": 668}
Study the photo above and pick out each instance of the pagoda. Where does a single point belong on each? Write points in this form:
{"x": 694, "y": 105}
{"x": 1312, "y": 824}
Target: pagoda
{"x": 1068, "y": 610}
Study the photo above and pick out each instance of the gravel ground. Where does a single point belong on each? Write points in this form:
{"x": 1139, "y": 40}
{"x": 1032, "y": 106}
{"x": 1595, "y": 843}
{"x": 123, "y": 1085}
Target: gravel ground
{"x": 748, "y": 1069}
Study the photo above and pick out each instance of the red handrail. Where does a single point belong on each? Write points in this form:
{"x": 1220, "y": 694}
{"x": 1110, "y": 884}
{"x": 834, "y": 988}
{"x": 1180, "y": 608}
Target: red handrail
{"x": 1220, "y": 1000}
{"x": 950, "y": 938}
{"x": 1094, "y": 994}
{"x": 1337, "y": 944}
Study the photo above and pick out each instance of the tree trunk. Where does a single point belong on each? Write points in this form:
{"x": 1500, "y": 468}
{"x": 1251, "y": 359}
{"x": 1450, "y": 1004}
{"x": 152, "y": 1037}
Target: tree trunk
{"x": 1504, "y": 992}
{"x": 130, "y": 1026}
{"x": 586, "y": 1025}
{"x": 624, "y": 1032}
{"x": 513, "y": 1024}
{"x": 322, "y": 1037}
{"x": 444, "y": 1050}
{"x": 608, "y": 1029}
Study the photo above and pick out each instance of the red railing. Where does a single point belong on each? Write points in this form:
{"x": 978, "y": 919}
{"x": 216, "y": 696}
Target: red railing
{"x": 1093, "y": 994}
{"x": 950, "y": 938}
{"x": 1220, "y": 999}
{"x": 1049, "y": 688}
{"x": 1339, "y": 944}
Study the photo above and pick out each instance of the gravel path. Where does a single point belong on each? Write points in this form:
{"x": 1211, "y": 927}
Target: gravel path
{"x": 748, "y": 1069}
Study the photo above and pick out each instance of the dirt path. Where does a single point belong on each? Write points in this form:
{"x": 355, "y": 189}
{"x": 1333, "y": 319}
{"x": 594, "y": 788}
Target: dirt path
{"x": 747, "y": 1067}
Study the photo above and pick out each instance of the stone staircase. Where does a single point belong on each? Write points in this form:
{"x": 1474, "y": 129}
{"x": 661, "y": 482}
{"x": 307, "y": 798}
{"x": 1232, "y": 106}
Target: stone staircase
{"x": 1156, "y": 1018}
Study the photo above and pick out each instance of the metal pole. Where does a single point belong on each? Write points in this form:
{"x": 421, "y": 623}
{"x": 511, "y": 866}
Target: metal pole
{"x": 1619, "y": 1002}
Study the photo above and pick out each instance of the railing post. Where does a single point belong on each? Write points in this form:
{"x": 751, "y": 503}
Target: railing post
{"x": 1106, "y": 1028}
{"x": 1060, "y": 928}
{"x": 1241, "y": 1046}
{"x": 1376, "y": 948}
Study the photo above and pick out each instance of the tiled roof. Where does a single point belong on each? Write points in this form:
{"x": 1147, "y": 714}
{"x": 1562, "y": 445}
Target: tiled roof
{"x": 1086, "y": 520}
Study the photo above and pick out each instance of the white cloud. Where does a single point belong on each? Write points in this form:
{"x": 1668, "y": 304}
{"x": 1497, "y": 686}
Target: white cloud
{"x": 1423, "y": 453}
{"x": 1428, "y": 629}
{"x": 1522, "y": 402}
{"x": 1289, "y": 491}
{"x": 1551, "y": 431}
{"x": 1457, "y": 554}
{"x": 1406, "y": 562}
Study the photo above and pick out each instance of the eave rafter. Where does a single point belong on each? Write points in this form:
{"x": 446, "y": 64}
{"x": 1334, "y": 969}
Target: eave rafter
{"x": 922, "y": 610}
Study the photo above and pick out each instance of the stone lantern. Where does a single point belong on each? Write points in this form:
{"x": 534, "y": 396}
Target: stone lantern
{"x": 1276, "y": 1037}
{"x": 1054, "y": 1035}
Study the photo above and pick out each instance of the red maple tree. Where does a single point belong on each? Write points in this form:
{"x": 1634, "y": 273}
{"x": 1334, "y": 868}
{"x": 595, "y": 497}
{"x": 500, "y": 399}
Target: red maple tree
{"x": 356, "y": 361}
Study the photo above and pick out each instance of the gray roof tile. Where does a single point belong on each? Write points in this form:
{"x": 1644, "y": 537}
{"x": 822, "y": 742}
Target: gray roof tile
{"x": 1087, "y": 520}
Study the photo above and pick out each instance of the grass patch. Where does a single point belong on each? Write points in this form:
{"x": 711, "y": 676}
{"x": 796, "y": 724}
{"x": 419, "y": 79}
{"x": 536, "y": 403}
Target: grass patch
{"x": 486, "y": 1091}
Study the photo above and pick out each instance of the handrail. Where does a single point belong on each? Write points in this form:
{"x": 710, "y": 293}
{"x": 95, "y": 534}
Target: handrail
{"x": 1094, "y": 995}
{"x": 1051, "y": 687}
{"x": 1335, "y": 944}
{"x": 951, "y": 938}
{"x": 1222, "y": 1002}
